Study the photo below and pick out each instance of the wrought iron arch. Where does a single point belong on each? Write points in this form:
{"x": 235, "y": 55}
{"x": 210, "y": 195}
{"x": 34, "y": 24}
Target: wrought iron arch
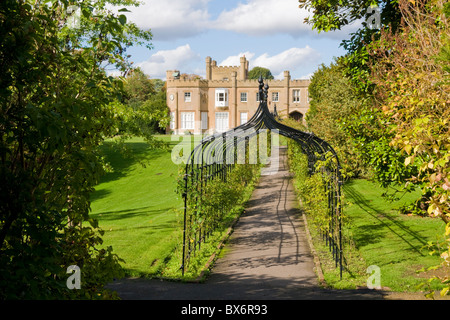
{"x": 216, "y": 154}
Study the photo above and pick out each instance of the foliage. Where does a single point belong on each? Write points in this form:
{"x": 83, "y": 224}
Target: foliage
{"x": 309, "y": 188}
{"x": 144, "y": 110}
{"x": 138, "y": 88}
{"x": 55, "y": 99}
{"x": 332, "y": 102}
{"x": 257, "y": 72}
{"x": 402, "y": 69}
{"x": 411, "y": 73}
{"x": 335, "y": 14}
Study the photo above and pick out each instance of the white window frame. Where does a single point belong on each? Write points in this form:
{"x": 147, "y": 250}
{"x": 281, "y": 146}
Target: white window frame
{"x": 172, "y": 120}
{"x": 221, "y": 97}
{"x": 187, "y": 97}
{"x": 204, "y": 120}
{"x": 275, "y": 96}
{"x": 244, "y": 117}
{"x": 244, "y": 97}
{"x": 296, "y": 95}
{"x": 187, "y": 120}
{"x": 220, "y": 119}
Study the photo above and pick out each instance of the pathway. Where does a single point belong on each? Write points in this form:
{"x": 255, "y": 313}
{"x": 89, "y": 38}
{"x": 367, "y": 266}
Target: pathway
{"x": 268, "y": 256}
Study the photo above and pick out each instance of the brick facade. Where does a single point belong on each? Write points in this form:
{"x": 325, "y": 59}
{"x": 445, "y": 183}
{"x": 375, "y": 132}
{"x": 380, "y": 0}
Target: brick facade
{"x": 226, "y": 98}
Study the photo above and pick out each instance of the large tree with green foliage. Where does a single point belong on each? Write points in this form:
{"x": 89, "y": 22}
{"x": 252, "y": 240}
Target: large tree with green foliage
{"x": 145, "y": 100}
{"x": 332, "y": 102}
{"x": 55, "y": 99}
{"x": 403, "y": 69}
{"x": 257, "y": 72}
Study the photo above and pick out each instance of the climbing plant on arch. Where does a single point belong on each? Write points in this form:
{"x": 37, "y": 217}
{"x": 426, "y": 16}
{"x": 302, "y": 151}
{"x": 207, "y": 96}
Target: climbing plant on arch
{"x": 217, "y": 156}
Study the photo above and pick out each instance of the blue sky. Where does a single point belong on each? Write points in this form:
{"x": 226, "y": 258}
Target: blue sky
{"x": 271, "y": 34}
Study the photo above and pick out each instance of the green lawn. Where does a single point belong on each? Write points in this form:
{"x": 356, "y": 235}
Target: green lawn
{"x": 142, "y": 215}
{"x": 138, "y": 207}
{"x": 398, "y": 244}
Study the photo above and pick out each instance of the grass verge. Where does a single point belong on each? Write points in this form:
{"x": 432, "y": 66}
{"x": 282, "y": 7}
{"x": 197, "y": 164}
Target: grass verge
{"x": 400, "y": 245}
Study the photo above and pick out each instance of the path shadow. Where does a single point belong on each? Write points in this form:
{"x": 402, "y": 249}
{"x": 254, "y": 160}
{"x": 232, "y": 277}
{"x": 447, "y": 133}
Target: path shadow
{"x": 239, "y": 287}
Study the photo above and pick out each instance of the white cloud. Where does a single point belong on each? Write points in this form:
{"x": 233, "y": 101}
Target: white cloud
{"x": 264, "y": 17}
{"x": 235, "y": 60}
{"x": 179, "y": 59}
{"x": 269, "y": 17}
{"x": 177, "y": 19}
{"x": 171, "y": 19}
{"x": 293, "y": 60}
{"x": 289, "y": 59}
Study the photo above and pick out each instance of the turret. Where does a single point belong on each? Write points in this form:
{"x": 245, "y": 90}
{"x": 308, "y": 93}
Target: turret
{"x": 208, "y": 68}
{"x": 243, "y": 69}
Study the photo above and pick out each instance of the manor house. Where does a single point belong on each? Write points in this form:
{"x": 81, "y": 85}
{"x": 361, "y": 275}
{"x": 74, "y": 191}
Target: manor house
{"x": 227, "y": 98}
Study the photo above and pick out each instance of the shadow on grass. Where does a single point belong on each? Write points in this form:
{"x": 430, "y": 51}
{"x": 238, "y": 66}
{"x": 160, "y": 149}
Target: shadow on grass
{"x": 371, "y": 234}
{"x": 122, "y": 159}
{"x": 129, "y": 213}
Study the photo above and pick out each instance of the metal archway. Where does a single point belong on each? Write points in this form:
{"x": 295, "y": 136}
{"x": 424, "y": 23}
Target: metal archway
{"x": 216, "y": 155}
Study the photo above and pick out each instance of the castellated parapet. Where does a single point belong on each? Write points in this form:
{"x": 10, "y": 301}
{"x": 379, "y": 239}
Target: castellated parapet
{"x": 227, "y": 98}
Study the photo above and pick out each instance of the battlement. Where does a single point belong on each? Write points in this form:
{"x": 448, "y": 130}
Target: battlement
{"x": 247, "y": 83}
{"x": 215, "y": 72}
{"x": 225, "y": 68}
{"x": 187, "y": 83}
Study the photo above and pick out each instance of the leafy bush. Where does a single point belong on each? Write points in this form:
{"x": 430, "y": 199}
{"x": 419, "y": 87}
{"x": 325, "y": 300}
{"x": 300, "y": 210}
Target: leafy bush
{"x": 56, "y": 110}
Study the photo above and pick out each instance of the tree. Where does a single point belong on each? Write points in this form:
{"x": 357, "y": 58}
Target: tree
{"x": 257, "y": 72}
{"x": 56, "y": 109}
{"x": 332, "y": 102}
{"x": 144, "y": 108}
{"x": 412, "y": 91}
{"x": 138, "y": 88}
{"x": 403, "y": 68}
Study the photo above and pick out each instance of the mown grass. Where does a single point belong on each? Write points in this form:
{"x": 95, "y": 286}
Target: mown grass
{"x": 379, "y": 235}
{"x": 137, "y": 206}
{"x": 142, "y": 214}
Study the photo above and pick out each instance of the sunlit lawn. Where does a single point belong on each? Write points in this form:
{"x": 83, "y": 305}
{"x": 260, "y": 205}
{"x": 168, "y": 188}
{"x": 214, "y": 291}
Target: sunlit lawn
{"x": 137, "y": 206}
{"x": 396, "y": 243}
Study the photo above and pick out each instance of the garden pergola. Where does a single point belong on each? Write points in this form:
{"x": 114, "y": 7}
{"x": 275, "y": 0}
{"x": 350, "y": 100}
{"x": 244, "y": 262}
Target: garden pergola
{"x": 217, "y": 154}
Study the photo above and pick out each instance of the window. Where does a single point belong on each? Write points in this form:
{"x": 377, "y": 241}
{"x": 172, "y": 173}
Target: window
{"x": 244, "y": 117}
{"x": 204, "y": 120}
{"x": 172, "y": 120}
{"x": 243, "y": 96}
{"x": 296, "y": 95}
{"x": 307, "y": 96}
{"x": 187, "y": 120}
{"x": 275, "y": 96}
{"x": 221, "y": 121}
{"x": 221, "y": 97}
{"x": 187, "y": 97}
